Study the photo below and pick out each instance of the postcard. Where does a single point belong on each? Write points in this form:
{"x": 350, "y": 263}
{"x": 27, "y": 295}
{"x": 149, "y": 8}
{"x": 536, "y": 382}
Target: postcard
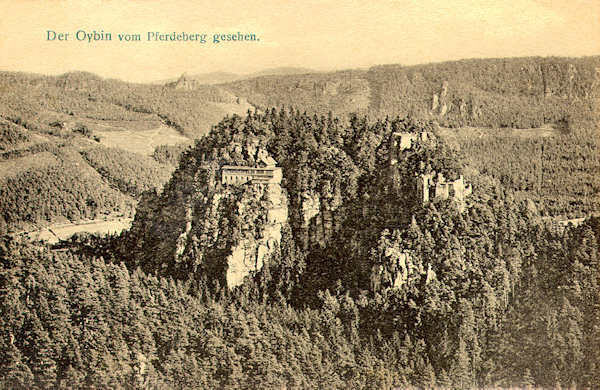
{"x": 299, "y": 195}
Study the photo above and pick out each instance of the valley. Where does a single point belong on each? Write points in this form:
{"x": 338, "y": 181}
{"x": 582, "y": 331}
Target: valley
{"x": 62, "y": 232}
{"x": 138, "y": 141}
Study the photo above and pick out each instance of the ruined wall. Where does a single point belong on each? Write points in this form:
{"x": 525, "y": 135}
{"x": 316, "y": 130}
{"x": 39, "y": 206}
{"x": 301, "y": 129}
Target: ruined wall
{"x": 430, "y": 186}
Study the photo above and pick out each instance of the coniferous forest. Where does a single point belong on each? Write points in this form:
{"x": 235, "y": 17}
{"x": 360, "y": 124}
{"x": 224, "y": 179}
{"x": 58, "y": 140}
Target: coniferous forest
{"x": 352, "y": 278}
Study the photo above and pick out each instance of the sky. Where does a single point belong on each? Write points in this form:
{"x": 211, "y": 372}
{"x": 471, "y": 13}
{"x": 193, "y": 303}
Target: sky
{"x": 321, "y": 35}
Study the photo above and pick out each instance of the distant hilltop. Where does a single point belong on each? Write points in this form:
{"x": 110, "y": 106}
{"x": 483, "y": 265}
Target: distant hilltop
{"x": 225, "y": 77}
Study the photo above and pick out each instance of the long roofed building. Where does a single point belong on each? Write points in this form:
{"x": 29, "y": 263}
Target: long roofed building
{"x": 265, "y": 173}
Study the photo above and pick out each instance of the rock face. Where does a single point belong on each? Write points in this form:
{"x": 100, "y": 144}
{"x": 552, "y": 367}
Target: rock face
{"x": 317, "y": 217}
{"x": 251, "y": 212}
{"x": 435, "y": 104}
{"x": 185, "y": 82}
{"x": 248, "y": 255}
{"x": 311, "y": 206}
{"x": 397, "y": 268}
{"x": 440, "y": 104}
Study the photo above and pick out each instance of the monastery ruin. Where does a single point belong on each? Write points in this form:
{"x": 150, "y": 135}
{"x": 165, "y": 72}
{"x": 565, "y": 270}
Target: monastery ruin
{"x": 432, "y": 186}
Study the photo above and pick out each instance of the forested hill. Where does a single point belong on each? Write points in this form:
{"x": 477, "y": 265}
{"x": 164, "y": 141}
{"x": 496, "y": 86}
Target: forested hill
{"x": 94, "y": 99}
{"x": 63, "y": 174}
{"x": 513, "y": 92}
{"x": 370, "y": 287}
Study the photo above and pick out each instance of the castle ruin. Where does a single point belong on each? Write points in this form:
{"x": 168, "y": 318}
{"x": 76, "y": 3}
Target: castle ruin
{"x": 401, "y": 141}
{"x": 432, "y": 186}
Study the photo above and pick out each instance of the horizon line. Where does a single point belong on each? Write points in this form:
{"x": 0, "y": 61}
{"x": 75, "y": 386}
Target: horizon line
{"x": 256, "y": 73}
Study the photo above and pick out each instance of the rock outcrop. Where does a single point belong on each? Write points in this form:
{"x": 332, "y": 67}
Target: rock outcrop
{"x": 396, "y": 268}
{"x": 213, "y": 230}
{"x": 248, "y": 254}
{"x": 317, "y": 217}
{"x": 440, "y": 104}
{"x": 185, "y": 82}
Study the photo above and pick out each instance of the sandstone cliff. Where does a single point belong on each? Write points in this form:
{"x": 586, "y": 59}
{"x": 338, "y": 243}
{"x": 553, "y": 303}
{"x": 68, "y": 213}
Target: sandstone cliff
{"x": 214, "y": 232}
{"x": 249, "y": 253}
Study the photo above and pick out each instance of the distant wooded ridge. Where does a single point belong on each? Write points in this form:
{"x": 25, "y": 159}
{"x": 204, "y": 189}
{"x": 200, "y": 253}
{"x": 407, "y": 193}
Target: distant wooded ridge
{"x": 218, "y": 77}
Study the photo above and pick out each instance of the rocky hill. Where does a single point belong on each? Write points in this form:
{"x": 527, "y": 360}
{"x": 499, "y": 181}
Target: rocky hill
{"x": 207, "y": 228}
{"x": 215, "y": 223}
{"x": 349, "y": 231}
{"x": 296, "y": 250}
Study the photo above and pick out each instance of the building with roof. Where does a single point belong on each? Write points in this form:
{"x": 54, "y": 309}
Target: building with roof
{"x": 238, "y": 174}
{"x": 266, "y": 171}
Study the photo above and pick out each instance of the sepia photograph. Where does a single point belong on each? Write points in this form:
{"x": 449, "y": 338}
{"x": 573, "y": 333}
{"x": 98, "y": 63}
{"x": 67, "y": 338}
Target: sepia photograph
{"x": 382, "y": 194}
